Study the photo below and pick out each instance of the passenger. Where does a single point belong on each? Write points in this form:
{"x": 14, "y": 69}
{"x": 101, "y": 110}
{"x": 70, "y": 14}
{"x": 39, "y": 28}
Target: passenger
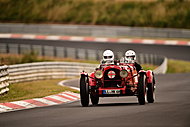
{"x": 130, "y": 57}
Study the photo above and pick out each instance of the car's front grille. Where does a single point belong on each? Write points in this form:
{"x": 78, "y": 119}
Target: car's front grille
{"x": 112, "y": 83}
{"x": 112, "y": 78}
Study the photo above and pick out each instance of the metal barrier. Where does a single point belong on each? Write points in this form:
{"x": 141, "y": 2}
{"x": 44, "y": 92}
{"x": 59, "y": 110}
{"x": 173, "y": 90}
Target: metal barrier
{"x": 49, "y": 70}
{"x": 52, "y": 51}
{"x": 89, "y": 30}
{"x": 68, "y": 52}
{"x": 4, "y": 77}
{"x": 162, "y": 68}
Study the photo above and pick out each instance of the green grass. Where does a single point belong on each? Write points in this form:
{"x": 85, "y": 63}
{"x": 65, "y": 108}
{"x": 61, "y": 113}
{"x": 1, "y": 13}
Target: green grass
{"x": 174, "y": 66}
{"x": 178, "y": 66}
{"x": 33, "y": 89}
{"x": 154, "y": 13}
{"x": 148, "y": 66}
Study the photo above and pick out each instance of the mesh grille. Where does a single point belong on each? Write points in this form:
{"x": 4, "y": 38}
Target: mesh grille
{"x": 112, "y": 82}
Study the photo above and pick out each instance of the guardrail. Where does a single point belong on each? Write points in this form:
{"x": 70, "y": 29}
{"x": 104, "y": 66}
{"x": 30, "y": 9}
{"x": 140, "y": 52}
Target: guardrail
{"x": 162, "y": 68}
{"x": 49, "y": 70}
{"x": 68, "y": 52}
{"x": 4, "y": 77}
{"x": 89, "y": 30}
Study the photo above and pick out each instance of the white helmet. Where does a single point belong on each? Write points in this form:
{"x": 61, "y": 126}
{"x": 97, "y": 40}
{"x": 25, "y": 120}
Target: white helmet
{"x": 108, "y": 56}
{"x": 130, "y": 56}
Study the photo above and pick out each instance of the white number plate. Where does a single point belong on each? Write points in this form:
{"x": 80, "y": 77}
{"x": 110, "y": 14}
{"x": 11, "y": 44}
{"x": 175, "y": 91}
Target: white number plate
{"x": 111, "y": 91}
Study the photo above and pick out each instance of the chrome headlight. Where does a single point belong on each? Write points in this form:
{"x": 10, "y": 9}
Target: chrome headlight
{"x": 123, "y": 73}
{"x": 98, "y": 74}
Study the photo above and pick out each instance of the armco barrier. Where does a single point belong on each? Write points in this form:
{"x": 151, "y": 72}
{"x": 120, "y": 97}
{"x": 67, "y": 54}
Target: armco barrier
{"x": 162, "y": 68}
{"x": 89, "y": 30}
{"x": 49, "y": 70}
{"x": 68, "y": 52}
{"x": 4, "y": 77}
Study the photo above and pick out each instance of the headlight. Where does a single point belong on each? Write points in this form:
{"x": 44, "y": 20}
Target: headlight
{"x": 98, "y": 74}
{"x": 123, "y": 73}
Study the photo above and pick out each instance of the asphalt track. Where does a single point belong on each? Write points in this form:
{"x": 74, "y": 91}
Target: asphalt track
{"x": 170, "y": 51}
{"x": 171, "y": 109}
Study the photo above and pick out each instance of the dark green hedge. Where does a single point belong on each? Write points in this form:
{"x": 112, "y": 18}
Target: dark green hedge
{"x": 159, "y": 13}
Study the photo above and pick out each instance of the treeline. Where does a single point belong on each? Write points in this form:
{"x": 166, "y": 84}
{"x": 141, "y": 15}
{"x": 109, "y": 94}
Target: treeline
{"x": 160, "y": 13}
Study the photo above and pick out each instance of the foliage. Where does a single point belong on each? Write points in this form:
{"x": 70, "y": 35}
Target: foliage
{"x": 9, "y": 59}
{"x": 155, "y": 13}
{"x": 17, "y": 59}
{"x": 30, "y": 57}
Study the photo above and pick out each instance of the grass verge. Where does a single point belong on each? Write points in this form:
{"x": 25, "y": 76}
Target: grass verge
{"x": 178, "y": 66}
{"x": 34, "y": 89}
{"x": 148, "y": 66}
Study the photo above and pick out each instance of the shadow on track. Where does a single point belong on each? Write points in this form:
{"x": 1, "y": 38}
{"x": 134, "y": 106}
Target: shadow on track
{"x": 76, "y": 105}
{"x": 114, "y": 104}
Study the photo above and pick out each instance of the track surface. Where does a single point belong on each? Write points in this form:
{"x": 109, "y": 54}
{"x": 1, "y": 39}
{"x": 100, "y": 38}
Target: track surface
{"x": 172, "y": 108}
{"x": 170, "y": 51}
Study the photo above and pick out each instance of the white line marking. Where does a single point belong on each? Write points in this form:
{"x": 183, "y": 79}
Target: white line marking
{"x": 74, "y": 94}
{"x": 24, "y": 104}
{"x": 59, "y": 98}
{"x": 53, "y": 38}
{"x": 5, "y": 35}
{"x": 45, "y": 101}
{"x": 29, "y": 36}
{"x": 2, "y": 110}
{"x": 68, "y": 96}
{"x": 125, "y": 40}
{"x": 171, "y": 42}
{"x": 61, "y": 83}
{"x": 76, "y": 38}
{"x": 101, "y": 39}
{"x": 148, "y": 41}
{"x": 5, "y": 107}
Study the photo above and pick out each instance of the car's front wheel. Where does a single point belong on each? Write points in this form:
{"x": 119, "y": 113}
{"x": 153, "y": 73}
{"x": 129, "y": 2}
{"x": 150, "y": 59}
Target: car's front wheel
{"x": 94, "y": 98}
{"x": 141, "y": 89}
{"x": 84, "y": 91}
{"x": 150, "y": 93}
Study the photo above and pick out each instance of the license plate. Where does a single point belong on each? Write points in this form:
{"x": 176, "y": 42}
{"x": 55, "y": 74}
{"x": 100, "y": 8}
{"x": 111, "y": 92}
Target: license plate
{"x": 111, "y": 91}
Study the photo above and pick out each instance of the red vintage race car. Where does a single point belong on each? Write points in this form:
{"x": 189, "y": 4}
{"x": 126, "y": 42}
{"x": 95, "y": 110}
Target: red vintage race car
{"x": 117, "y": 80}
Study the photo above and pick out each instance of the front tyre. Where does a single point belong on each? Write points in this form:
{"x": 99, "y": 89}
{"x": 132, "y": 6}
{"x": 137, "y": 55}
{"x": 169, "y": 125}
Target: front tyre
{"x": 150, "y": 93}
{"x": 84, "y": 90}
{"x": 141, "y": 89}
{"x": 94, "y": 98}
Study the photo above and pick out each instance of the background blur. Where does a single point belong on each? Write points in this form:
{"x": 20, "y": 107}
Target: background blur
{"x": 148, "y": 13}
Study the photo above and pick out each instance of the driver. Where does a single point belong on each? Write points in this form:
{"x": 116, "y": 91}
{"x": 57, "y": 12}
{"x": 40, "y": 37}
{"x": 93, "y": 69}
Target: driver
{"x": 108, "y": 57}
{"x": 130, "y": 57}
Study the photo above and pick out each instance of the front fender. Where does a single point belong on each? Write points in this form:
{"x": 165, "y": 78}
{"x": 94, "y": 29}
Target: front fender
{"x": 149, "y": 75}
{"x": 92, "y": 79}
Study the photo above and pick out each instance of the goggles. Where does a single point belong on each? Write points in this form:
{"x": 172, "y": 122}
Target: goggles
{"x": 108, "y": 57}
